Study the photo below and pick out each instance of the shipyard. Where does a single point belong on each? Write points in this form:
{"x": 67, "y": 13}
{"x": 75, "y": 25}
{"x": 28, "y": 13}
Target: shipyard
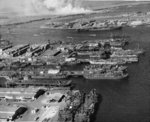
{"x": 27, "y": 62}
{"x": 74, "y": 61}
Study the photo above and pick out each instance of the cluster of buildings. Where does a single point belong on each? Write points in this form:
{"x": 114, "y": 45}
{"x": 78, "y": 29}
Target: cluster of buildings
{"x": 29, "y": 96}
{"x": 38, "y": 86}
{"x": 40, "y": 104}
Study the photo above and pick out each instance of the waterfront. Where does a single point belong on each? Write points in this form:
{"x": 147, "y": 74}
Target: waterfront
{"x": 125, "y": 100}
{"x": 121, "y": 101}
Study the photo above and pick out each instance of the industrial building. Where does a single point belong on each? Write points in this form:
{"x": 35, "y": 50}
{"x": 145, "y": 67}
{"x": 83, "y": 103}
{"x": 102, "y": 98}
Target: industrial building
{"x": 11, "y": 112}
{"x": 20, "y": 94}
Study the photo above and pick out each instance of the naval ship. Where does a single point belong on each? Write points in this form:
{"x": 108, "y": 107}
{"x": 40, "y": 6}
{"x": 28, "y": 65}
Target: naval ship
{"x": 107, "y": 72}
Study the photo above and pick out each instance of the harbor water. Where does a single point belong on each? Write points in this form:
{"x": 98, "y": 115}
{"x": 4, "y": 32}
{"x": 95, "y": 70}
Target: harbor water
{"x": 125, "y": 100}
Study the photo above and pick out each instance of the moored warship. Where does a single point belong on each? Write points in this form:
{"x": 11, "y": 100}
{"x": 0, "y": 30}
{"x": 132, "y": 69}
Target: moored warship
{"x": 43, "y": 72}
{"x": 110, "y": 73}
{"x": 99, "y": 29}
{"x": 107, "y": 61}
{"x": 33, "y": 82}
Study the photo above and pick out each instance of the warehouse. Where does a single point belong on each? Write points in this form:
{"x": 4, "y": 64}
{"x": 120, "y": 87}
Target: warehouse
{"x": 11, "y": 112}
{"x": 20, "y": 94}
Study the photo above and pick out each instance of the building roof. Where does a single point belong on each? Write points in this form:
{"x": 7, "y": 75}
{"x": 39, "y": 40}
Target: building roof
{"x": 18, "y": 93}
{"x": 7, "y": 111}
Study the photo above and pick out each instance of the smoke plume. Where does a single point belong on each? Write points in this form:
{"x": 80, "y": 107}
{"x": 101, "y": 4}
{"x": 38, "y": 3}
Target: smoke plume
{"x": 40, "y": 7}
{"x": 60, "y": 6}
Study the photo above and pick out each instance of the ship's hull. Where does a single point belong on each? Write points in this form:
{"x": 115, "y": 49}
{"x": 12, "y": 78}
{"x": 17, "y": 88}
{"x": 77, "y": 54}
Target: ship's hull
{"x": 99, "y": 29}
{"x": 128, "y": 60}
{"x": 105, "y": 77}
{"x": 33, "y": 82}
{"x": 107, "y": 62}
{"x": 49, "y": 77}
{"x": 72, "y": 63}
{"x": 103, "y": 63}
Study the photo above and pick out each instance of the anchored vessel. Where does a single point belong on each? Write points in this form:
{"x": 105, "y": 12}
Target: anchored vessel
{"x": 46, "y": 83}
{"x": 112, "y": 72}
{"x": 99, "y": 29}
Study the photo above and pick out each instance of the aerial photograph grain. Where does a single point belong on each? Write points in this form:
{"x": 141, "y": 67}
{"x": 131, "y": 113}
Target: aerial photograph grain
{"x": 74, "y": 61}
